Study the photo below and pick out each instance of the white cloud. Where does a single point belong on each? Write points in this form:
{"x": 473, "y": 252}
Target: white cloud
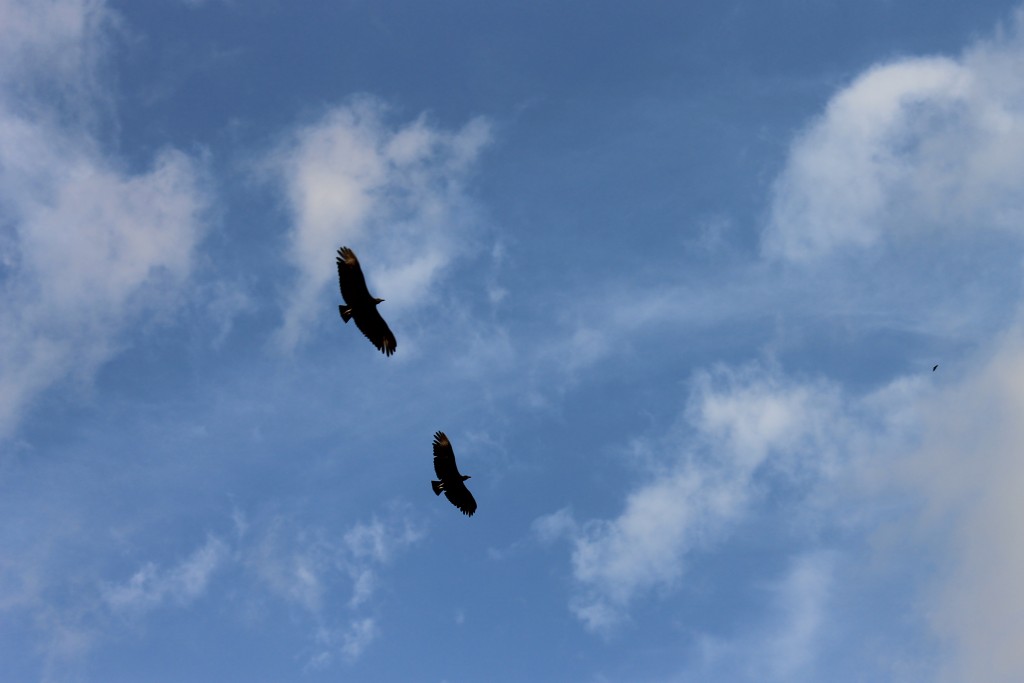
{"x": 150, "y": 586}
{"x": 86, "y": 248}
{"x": 910, "y": 148}
{"x": 746, "y": 420}
{"x": 641, "y": 548}
{"x": 394, "y": 194}
{"x": 751, "y": 414}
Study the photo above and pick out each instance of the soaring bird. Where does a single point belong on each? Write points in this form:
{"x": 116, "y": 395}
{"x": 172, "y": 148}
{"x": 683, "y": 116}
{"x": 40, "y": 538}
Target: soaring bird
{"x": 360, "y": 305}
{"x": 451, "y": 481}
{"x": 935, "y": 367}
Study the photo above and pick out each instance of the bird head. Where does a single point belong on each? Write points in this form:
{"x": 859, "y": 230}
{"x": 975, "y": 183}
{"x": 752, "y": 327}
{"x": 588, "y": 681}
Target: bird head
{"x": 465, "y": 477}
{"x": 378, "y": 301}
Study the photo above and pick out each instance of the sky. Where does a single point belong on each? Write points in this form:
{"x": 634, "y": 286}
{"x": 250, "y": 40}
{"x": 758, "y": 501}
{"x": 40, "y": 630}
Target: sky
{"x": 672, "y": 277}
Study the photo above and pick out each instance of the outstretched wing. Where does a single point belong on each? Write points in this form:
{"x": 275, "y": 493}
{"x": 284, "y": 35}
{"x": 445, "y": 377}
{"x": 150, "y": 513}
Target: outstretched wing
{"x": 351, "y": 280}
{"x": 444, "y": 460}
{"x": 460, "y": 497}
{"x": 376, "y": 330}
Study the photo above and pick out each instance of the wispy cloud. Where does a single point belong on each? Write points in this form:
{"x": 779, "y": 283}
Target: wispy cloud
{"x": 150, "y": 586}
{"x": 304, "y": 567}
{"x": 327, "y": 580}
{"x": 87, "y": 248}
{"x": 359, "y": 635}
{"x": 395, "y": 193}
{"x": 72, "y": 607}
{"x": 300, "y": 564}
{"x": 350, "y": 641}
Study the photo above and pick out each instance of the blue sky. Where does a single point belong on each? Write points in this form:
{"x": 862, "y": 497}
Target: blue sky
{"x": 671, "y": 276}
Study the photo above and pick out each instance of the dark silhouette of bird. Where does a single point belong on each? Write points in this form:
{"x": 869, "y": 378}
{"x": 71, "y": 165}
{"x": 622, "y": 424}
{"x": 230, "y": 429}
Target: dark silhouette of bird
{"x": 935, "y": 367}
{"x": 451, "y": 481}
{"x": 360, "y": 305}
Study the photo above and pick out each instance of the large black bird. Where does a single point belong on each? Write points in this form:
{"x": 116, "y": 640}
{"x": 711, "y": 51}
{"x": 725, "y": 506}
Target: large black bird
{"x": 360, "y": 305}
{"x": 451, "y": 481}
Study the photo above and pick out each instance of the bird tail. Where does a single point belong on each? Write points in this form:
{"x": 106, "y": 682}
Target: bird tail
{"x": 437, "y": 486}
{"x": 346, "y": 312}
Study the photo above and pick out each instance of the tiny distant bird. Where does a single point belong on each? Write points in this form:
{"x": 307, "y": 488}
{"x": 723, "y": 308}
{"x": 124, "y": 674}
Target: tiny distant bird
{"x": 451, "y": 481}
{"x": 935, "y": 367}
{"x": 360, "y": 305}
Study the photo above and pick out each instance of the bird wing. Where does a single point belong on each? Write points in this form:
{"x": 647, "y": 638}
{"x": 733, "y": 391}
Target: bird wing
{"x": 444, "y": 461}
{"x": 459, "y": 496}
{"x": 375, "y": 329}
{"x": 350, "y": 278}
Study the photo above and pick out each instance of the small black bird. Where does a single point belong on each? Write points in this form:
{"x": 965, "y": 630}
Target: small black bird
{"x": 935, "y": 367}
{"x": 451, "y": 481}
{"x": 360, "y": 305}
